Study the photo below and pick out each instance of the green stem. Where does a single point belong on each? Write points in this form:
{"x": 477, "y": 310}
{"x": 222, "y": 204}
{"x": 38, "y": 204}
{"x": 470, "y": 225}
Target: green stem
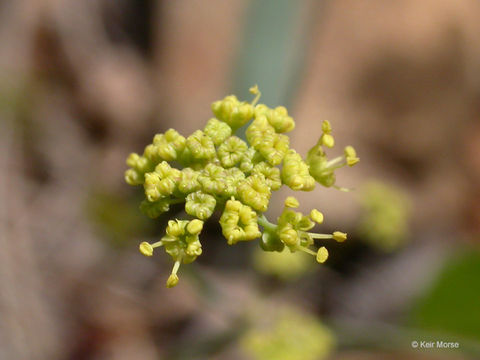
{"x": 307, "y": 250}
{"x": 176, "y": 201}
{"x": 320, "y": 236}
{"x": 267, "y": 225}
{"x": 336, "y": 163}
{"x": 157, "y": 244}
{"x": 255, "y": 101}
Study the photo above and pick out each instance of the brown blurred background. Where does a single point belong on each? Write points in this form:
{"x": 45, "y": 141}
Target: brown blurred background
{"x": 84, "y": 83}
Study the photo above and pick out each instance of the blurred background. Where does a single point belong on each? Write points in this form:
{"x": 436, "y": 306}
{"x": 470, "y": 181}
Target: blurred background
{"x": 84, "y": 83}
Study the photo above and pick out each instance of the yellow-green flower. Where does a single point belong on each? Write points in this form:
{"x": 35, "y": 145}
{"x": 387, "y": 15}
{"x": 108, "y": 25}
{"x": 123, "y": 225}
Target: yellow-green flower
{"x": 139, "y": 166}
{"x": 213, "y": 179}
{"x": 200, "y": 205}
{"x": 260, "y": 132}
{"x": 233, "y": 112}
{"x": 162, "y": 182}
{"x": 322, "y": 169}
{"x": 201, "y": 146}
{"x": 262, "y": 136}
{"x": 295, "y": 173}
{"x": 188, "y": 181}
{"x": 168, "y": 145}
{"x": 271, "y": 174}
{"x": 233, "y": 177}
{"x": 250, "y": 158}
{"x": 277, "y": 117}
{"x": 239, "y": 222}
{"x": 254, "y": 192}
{"x": 231, "y": 151}
{"x": 217, "y": 130}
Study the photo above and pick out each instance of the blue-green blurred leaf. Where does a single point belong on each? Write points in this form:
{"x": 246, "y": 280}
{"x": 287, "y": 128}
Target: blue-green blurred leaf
{"x": 272, "y": 51}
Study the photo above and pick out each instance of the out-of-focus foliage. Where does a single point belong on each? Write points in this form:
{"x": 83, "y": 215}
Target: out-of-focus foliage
{"x": 284, "y": 265}
{"x": 385, "y": 216}
{"x": 452, "y": 304}
{"x": 286, "y": 333}
{"x": 115, "y": 217}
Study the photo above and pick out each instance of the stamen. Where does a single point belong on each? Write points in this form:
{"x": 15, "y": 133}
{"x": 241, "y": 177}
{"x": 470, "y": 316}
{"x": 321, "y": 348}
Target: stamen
{"x": 320, "y": 236}
{"x": 173, "y": 278}
{"x": 306, "y": 250}
{"x": 336, "y": 163}
{"x": 255, "y": 91}
{"x": 344, "y": 189}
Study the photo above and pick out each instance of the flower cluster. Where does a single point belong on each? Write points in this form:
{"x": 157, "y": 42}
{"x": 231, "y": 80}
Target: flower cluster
{"x": 214, "y": 170}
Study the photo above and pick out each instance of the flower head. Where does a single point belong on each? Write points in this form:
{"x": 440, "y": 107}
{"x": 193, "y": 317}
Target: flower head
{"x": 220, "y": 171}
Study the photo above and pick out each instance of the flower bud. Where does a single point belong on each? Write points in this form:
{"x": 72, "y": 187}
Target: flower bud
{"x": 231, "y": 151}
{"x": 277, "y": 117}
{"x": 254, "y": 191}
{"x": 217, "y": 130}
{"x": 200, "y": 146}
{"x": 195, "y": 226}
{"x": 200, "y": 205}
{"x": 176, "y": 228}
{"x": 239, "y": 222}
{"x": 233, "y": 112}
{"x": 295, "y": 173}
{"x": 271, "y": 174}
